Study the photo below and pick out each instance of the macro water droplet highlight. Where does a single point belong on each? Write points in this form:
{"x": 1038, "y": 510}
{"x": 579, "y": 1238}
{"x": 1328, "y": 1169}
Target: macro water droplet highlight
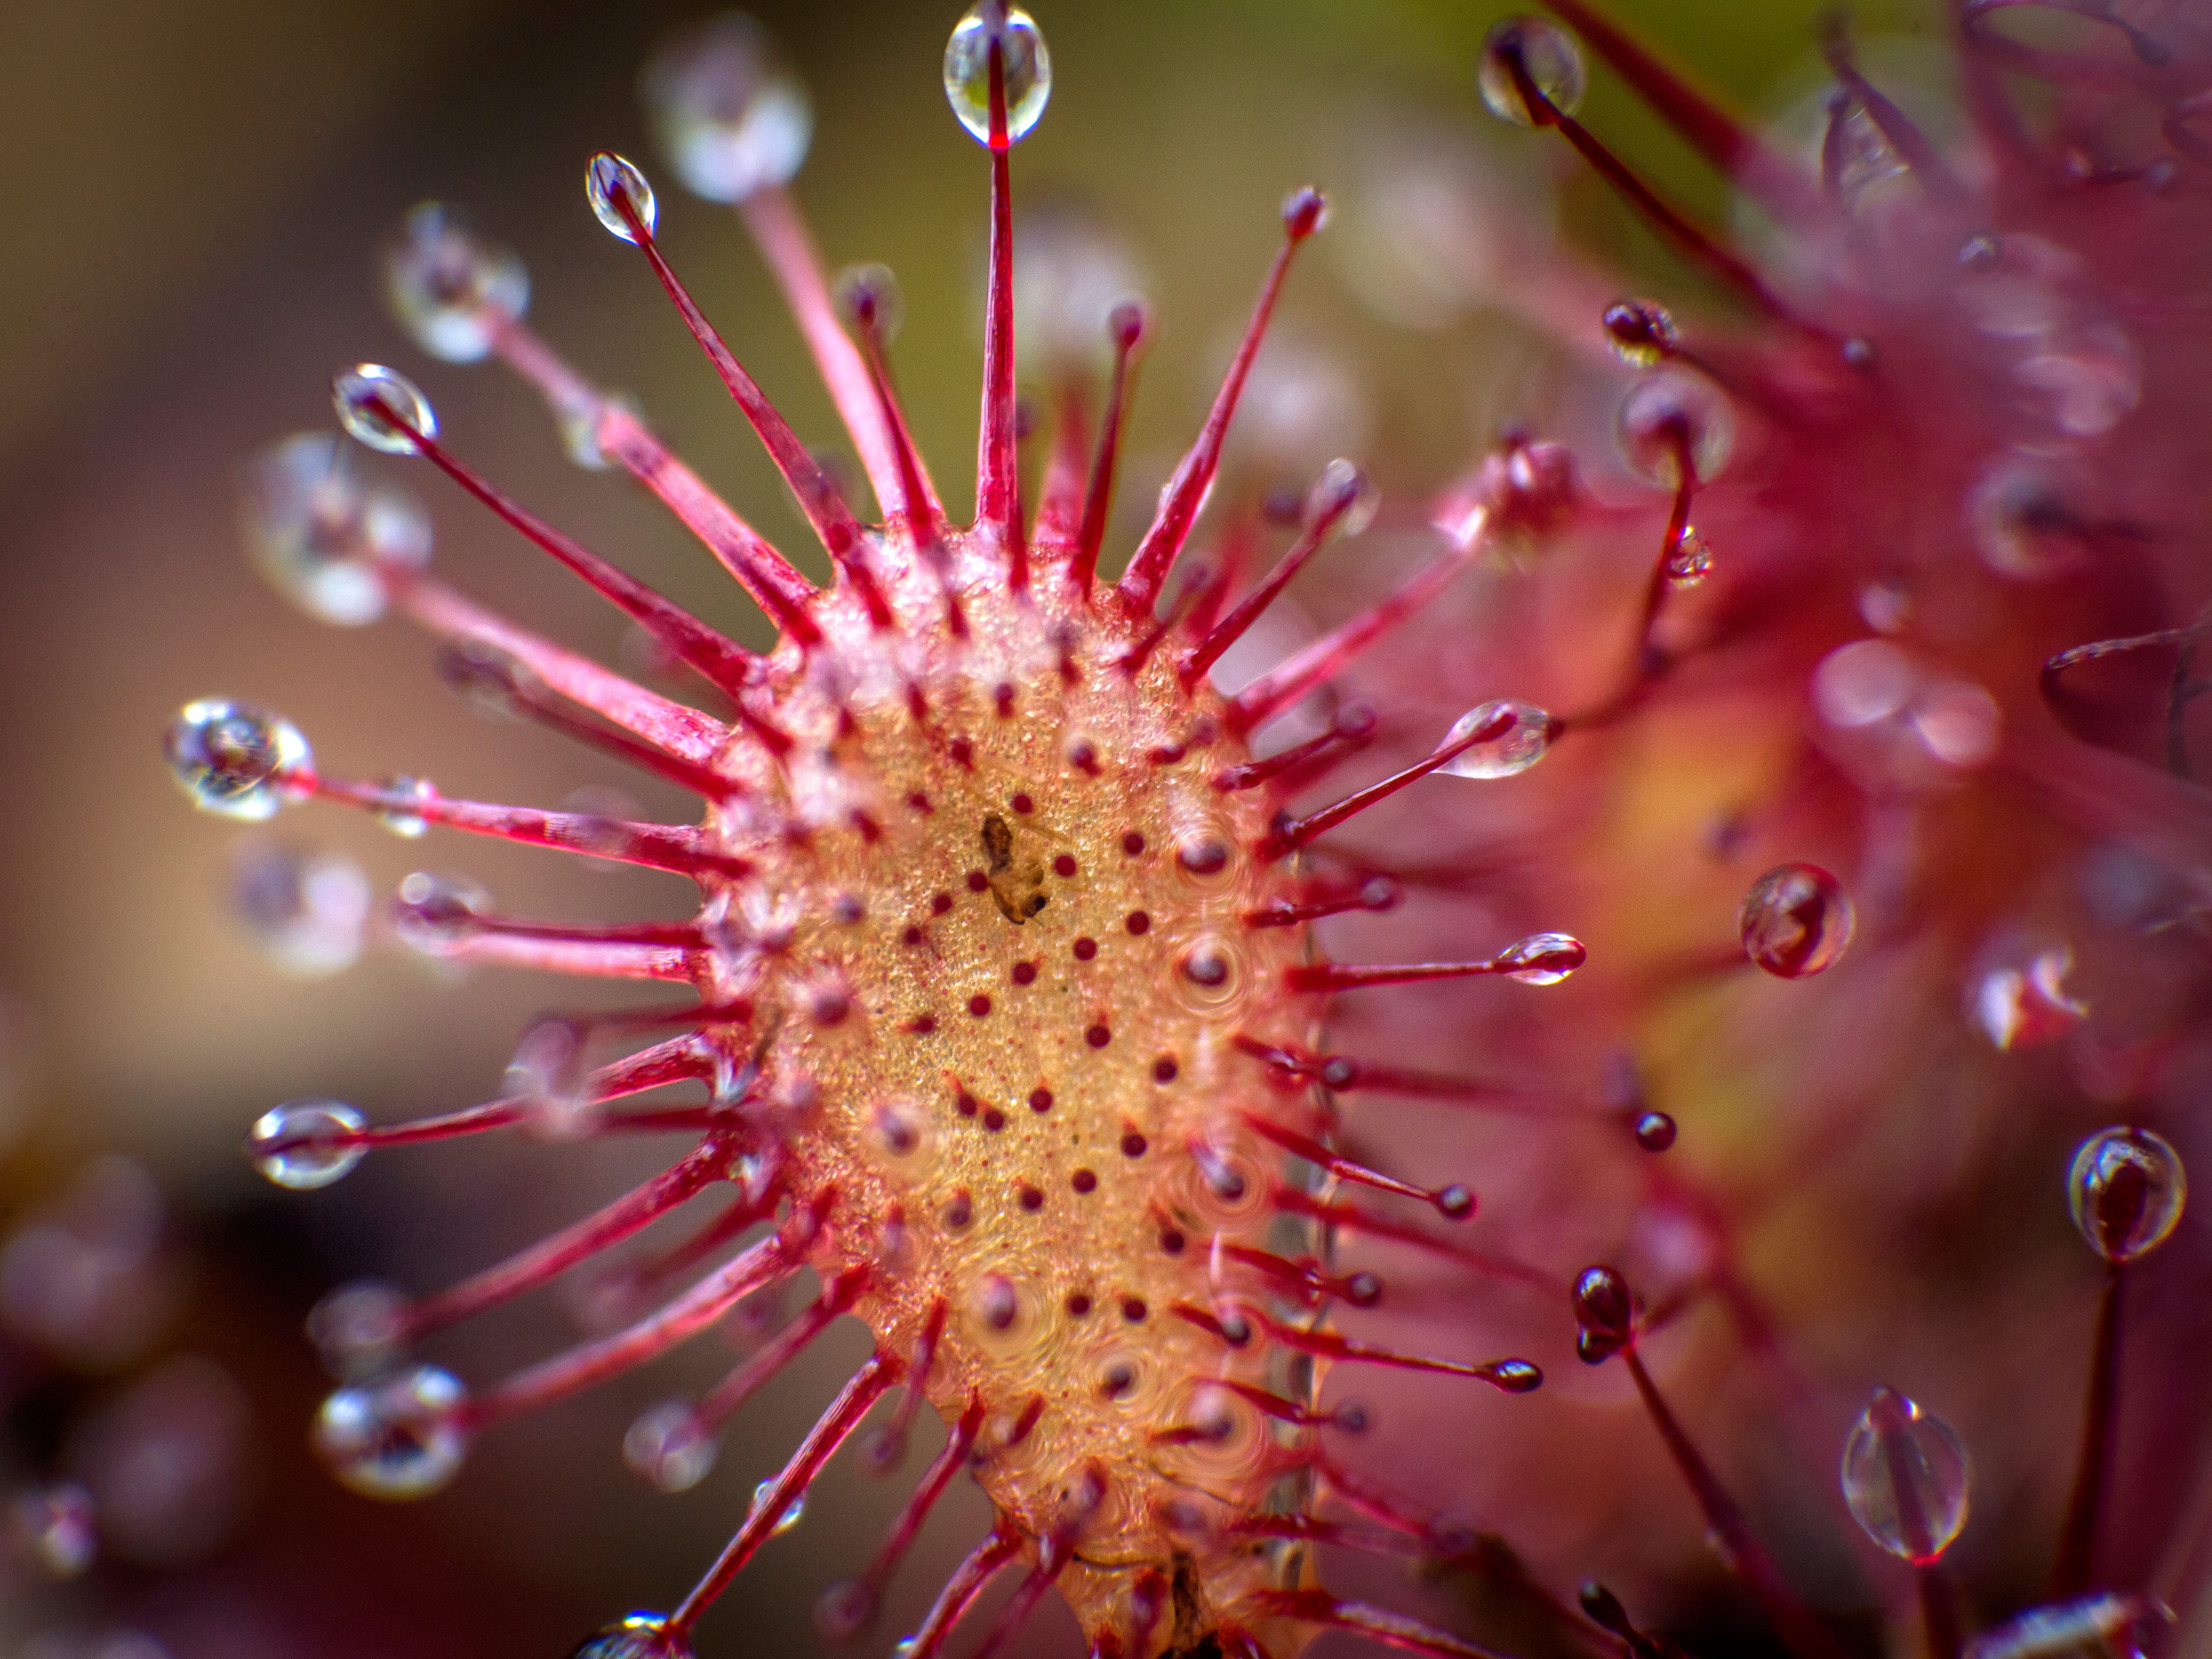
{"x": 610, "y": 184}
{"x": 1905, "y": 1477}
{"x": 1028, "y": 69}
{"x": 1513, "y": 749}
{"x": 1542, "y": 958}
{"x": 1795, "y": 920}
{"x": 1546, "y": 54}
{"x": 382, "y": 408}
{"x": 305, "y": 1144}
{"x": 1640, "y": 332}
{"x": 670, "y": 1447}
{"x": 2125, "y": 1191}
{"x": 234, "y": 759}
{"x": 398, "y": 1439}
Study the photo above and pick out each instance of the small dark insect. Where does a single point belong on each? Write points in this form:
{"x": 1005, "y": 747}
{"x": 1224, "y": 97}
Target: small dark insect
{"x": 1018, "y": 889}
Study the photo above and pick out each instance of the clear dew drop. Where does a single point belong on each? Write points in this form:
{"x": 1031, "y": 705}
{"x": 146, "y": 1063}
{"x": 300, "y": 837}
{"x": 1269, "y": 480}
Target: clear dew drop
{"x": 1667, "y": 414}
{"x": 1795, "y": 920}
{"x": 640, "y": 1636}
{"x": 869, "y": 297}
{"x": 359, "y": 1328}
{"x": 1640, "y": 332}
{"x": 609, "y": 182}
{"x": 305, "y": 1144}
{"x": 2126, "y": 1190}
{"x": 234, "y": 759}
{"x": 1691, "y": 560}
{"x": 1513, "y": 749}
{"x": 731, "y": 118}
{"x": 669, "y": 1447}
{"x": 325, "y": 539}
{"x": 306, "y": 911}
{"x": 1905, "y": 1477}
{"x": 792, "y": 1515}
{"x": 382, "y": 408}
{"x": 1028, "y": 69}
{"x": 449, "y": 287}
{"x": 399, "y": 1438}
{"x": 1546, "y": 54}
{"x": 1542, "y": 958}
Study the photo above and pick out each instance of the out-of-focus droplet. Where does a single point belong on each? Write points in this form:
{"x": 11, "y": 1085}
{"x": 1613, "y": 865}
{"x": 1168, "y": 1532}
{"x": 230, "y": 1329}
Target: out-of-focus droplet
{"x": 54, "y": 1526}
{"x": 731, "y": 118}
{"x": 1795, "y": 920}
{"x": 306, "y": 910}
{"x": 1655, "y": 1132}
{"x": 870, "y": 297}
{"x": 1905, "y": 1477}
{"x": 1546, "y": 54}
{"x": 670, "y": 1447}
{"x": 398, "y": 1439}
{"x": 1958, "y": 723}
{"x": 1641, "y": 331}
{"x": 382, "y": 408}
{"x": 611, "y": 183}
{"x": 547, "y": 1075}
{"x": 842, "y": 1611}
{"x": 1604, "y": 1314}
{"x": 1027, "y": 66}
{"x": 408, "y": 826}
{"x": 640, "y": 1636}
{"x": 1691, "y": 560}
{"x": 2126, "y": 1190}
{"x": 2026, "y": 1006}
{"x": 307, "y": 1142}
{"x": 2108, "y": 1625}
{"x": 164, "y": 1462}
{"x": 1071, "y": 275}
{"x": 1670, "y": 414}
{"x": 436, "y": 913}
{"x": 449, "y": 287}
{"x": 234, "y": 759}
{"x": 1515, "y": 749}
{"x": 83, "y": 1277}
{"x": 323, "y": 538}
{"x": 1542, "y": 958}
{"x": 359, "y": 1328}
{"x": 792, "y": 1514}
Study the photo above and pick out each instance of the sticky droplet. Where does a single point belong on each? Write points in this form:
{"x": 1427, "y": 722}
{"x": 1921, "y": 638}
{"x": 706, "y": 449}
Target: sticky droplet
{"x": 1905, "y": 1477}
{"x": 1670, "y": 414}
{"x": 610, "y": 184}
{"x": 1641, "y": 331}
{"x": 234, "y": 759}
{"x": 670, "y": 1447}
{"x": 730, "y": 117}
{"x": 1795, "y": 920}
{"x": 1542, "y": 958}
{"x": 1691, "y": 559}
{"x": 450, "y": 288}
{"x": 382, "y": 408}
{"x": 325, "y": 539}
{"x": 307, "y": 1143}
{"x": 1027, "y": 66}
{"x": 1546, "y": 54}
{"x": 306, "y": 911}
{"x": 1515, "y": 749}
{"x": 640, "y": 1636}
{"x": 2126, "y": 1190}
{"x": 793, "y": 1512}
{"x": 399, "y": 1438}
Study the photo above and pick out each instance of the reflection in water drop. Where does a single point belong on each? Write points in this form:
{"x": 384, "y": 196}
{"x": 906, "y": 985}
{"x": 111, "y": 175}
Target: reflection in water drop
{"x": 1027, "y": 65}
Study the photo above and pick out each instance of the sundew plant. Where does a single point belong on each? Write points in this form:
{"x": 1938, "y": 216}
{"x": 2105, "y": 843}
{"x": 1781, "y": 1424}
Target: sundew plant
{"x": 1147, "y": 1015}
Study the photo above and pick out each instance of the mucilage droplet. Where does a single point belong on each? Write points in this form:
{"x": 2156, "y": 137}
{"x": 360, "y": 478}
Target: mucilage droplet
{"x": 2125, "y": 1191}
{"x": 1027, "y": 68}
{"x": 1905, "y": 1477}
{"x": 1795, "y": 920}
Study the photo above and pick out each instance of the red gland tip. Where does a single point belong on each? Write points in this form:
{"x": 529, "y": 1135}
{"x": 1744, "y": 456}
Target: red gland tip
{"x": 1306, "y": 210}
